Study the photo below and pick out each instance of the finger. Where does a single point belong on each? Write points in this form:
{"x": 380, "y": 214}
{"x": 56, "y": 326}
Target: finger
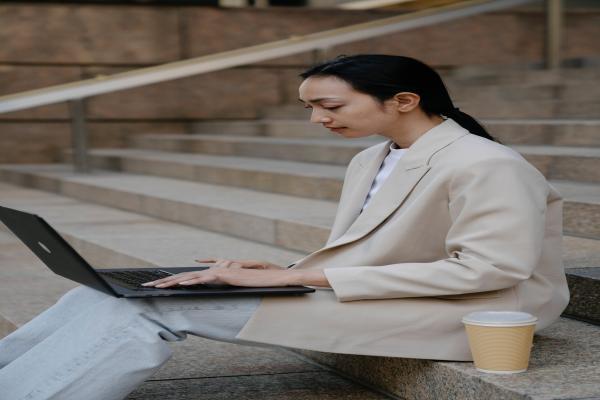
{"x": 222, "y": 263}
{"x": 176, "y": 281}
{"x": 166, "y": 279}
{"x": 196, "y": 281}
{"x": 186, "y": 277}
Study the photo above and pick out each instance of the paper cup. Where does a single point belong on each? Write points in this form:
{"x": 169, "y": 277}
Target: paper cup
{"x": 500, "y": 341}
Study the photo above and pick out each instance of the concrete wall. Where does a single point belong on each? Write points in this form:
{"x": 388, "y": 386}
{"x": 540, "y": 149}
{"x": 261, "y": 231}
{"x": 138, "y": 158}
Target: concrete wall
{"x": 47, "y": 44}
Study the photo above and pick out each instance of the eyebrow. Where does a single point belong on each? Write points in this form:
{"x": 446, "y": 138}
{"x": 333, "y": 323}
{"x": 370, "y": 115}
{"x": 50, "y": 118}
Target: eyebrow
{"x": 319, "y": 99}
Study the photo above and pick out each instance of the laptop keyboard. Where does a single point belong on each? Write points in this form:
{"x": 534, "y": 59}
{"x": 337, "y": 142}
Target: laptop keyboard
{"x": 134, "y": 279}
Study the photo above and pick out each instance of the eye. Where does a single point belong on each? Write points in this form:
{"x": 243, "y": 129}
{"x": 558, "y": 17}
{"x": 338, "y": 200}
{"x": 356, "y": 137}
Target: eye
{"x": 326, "y": 108}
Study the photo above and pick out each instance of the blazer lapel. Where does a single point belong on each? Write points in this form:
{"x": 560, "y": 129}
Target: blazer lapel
{"x": 406, "y": 175}
{"x": 360, "y": 185}
{"x": 391, "y": 195}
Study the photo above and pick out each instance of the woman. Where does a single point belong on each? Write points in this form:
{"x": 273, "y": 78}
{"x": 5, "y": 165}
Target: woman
{"x": 434, "y": 223}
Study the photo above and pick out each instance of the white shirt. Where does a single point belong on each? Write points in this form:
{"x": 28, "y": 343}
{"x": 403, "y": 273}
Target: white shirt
{"x": 386, "y": 168}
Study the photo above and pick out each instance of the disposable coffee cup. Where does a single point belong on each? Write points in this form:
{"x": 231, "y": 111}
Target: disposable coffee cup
{"x": 500, "y": 341}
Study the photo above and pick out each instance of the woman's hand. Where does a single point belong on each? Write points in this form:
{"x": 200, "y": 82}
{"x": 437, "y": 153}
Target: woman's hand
{"x": 249, "y": 273}
{"x": 251, "y": 264}
{"x": 240, "y": 276}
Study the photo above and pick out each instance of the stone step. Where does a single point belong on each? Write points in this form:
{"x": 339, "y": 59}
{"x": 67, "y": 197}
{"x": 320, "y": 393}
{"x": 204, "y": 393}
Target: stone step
{"x": 584, "y": 285}
{"x": 581, "y": 210}
{"x": 564, "y": 364}
{"x": 299, "y": 224}
{"x": 570, "y": 91}
{"x": 303, "y": 178}
{"x": 562, "y": 132}
{"x": 299, "y": 127}
{"x": 581, "y": 164}
{"x": 549, "y": 108}
{"x": 286, "y": 221}
{"x": 326, "y": 150}
{"x": 489, "y": 75}
{"x": 275, "y": 176}
{"x": 6, "y": 326}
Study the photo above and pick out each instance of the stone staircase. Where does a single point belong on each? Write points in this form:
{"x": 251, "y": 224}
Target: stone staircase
{"x": 268, "y": 189}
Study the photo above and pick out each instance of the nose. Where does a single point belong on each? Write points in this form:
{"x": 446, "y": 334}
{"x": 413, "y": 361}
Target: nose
{"x": 317, "y": 117}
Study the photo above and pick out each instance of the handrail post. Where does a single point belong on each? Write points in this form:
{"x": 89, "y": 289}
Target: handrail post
{"x": 554, "y": 27}
{"x": 81, "y": 160}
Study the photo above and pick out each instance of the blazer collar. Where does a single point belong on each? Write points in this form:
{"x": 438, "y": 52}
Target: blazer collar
{"x": 351, "y": 225}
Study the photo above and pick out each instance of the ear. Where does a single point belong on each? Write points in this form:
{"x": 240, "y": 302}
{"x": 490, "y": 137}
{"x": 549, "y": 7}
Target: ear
{"x": 407, "y": 101}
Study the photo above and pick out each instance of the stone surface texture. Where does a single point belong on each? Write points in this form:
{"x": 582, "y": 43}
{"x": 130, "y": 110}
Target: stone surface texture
{"x": 564, "y": 363}
{"x": 584, "y": 285}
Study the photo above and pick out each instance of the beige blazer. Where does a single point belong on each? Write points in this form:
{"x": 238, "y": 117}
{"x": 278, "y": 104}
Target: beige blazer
{"x": 461, "y": 224}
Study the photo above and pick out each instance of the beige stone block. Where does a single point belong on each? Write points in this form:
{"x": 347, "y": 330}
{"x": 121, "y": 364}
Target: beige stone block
{"x": 231, "y": 127}
{"x": 311, "y": 187}
{"x": 6, "y": 327}
{"x": 561, "y": 134}
{"x": 230, "y": 222}
{"x": 99, "y": 162}
{"x": 210, "y": 147}
{"x": 301, "y": 237}
{"x": 581, "y": 29}
{"x": 88, "y": 34}
{"x": 585, "y": 135}
{"x": 475, "y": 38}
{"x": 507, "y": 109}
{"x": 112, "y": 197}
{"x": 519, "y": 134}
{"x": 582, "y": 169}
{"x": 46, "y": 182}
{"x": 231, "y": 93}
{"x": 32, "y": 142}
{"x": 580, "y": 252}
{"x": 210, "y": 30}
{"x": 542, "y": 162}
{"x": 581, "y": 219}
{"x": 30, "y": 179}
{"x": 43, "y": 142}
{"x": 162, "y": 168}
{"x": 117, "y": 134}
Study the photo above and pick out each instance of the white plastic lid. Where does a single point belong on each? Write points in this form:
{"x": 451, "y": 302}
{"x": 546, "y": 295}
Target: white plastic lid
{"x": 499, "y": 318}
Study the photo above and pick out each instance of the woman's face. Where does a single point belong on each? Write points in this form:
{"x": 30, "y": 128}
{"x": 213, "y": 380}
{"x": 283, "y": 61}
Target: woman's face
{"x": 337, "y": 106}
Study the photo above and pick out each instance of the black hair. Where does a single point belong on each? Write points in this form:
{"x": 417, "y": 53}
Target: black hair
{"x": 382, "y": 76}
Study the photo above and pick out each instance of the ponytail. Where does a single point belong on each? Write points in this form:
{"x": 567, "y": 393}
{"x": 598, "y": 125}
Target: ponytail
{"x": 382, "y": 76}
{"x": 469, "y": 123}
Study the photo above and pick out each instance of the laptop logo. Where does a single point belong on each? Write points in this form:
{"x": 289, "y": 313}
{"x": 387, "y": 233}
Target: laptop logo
{"x": 43, "y": 246}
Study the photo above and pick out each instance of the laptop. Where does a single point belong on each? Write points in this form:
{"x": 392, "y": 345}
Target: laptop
{"x": 63, "y": 260}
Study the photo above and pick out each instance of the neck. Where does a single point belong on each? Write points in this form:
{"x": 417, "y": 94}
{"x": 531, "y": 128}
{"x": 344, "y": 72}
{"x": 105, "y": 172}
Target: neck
{"x": 412, "y": 128}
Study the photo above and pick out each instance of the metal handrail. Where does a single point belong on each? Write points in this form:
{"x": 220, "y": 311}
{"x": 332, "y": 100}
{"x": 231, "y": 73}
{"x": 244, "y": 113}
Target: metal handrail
{"x": 75, "y": 92}
{"x": 247, "y": 55}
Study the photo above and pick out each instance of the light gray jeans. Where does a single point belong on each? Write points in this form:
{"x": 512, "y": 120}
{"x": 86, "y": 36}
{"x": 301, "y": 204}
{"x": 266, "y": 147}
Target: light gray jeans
{"x": 90, "y": 345}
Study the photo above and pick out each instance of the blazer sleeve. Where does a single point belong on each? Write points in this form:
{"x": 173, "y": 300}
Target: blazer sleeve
{"x": 497, "y": 208}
